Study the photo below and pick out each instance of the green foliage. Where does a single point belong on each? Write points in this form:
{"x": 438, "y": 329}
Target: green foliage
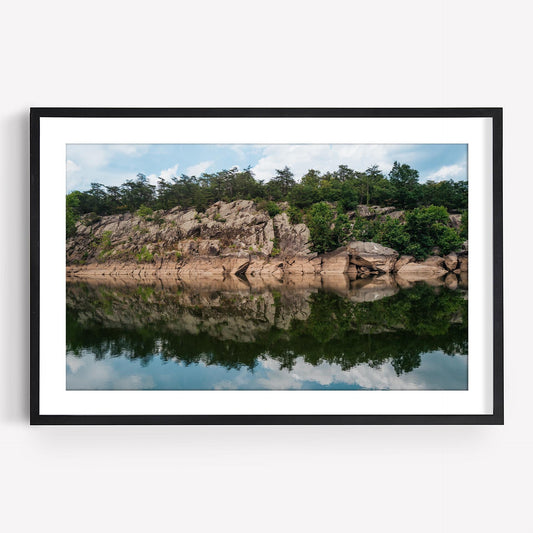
{"x": 319, "y": 221}
{"x": 341, "y": 232}
{"x": 178, "y": 255}
{"x": 92, "y": 219}
{"x": 328, "y": 231}
{"x": 73, "y": 213}
{"x": 280, "y": 185}
{"x": 425, "y": 228}
{"x": 428, "y": 227}
{"x": 105, "y": 246}
{"x": 105, "y": 240}
{"x": 344, "y": 186}
{"x": 405, "y": 187}
{"x": 363, "y": 229}
{"x": 392, "y": 233}
{"x": 144, "y": 256}
{"x": 272, "y": 209}
{"x": 295, "y": 215}
{"x": 275, "y": 249}
{"x": 426, "y": 217}
{"x": 396, "y": 329}
{"x": 145, "y": 292}
{"x": 145, "y": 212}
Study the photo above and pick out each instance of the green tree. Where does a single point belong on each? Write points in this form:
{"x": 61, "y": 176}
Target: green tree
{"x": 328, "y": 231}
{"x": 392, "y": 233}
{"x": 282, "y": 182}
{"x": 428, "y": 227}
{"x": 72, "y": 216}
{"x": 405, "y": 187}
{"x": 370, "y": 179}
{"x": 319, "y": 221}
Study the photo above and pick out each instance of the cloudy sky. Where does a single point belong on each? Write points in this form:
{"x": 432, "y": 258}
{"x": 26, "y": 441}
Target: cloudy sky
{"x": 113, "y": 164}
{"x": 437, "y": 371}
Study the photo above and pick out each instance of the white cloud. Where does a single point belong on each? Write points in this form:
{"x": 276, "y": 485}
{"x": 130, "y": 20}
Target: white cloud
{"x": 383, "y": 377}
{"x": 448, "y": 172}
{"x": 74, "y": 363}
{"x": 166, "y": 174}
{"x": 169, "y": 173}
{"x": 301, "y": 158}
{"x": 72, "y": 167}
{"x": 98, "y": 156}
{"x": 196, "y": 170}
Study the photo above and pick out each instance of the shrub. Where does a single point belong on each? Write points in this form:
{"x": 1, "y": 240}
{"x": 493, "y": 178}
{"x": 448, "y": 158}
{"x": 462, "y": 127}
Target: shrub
{"x": 319, "y": 221}
{"x": 92, "y": 218}
{"x": 106, "y": 240}
{"x": 144, "y": 256}
{"x": 327, "y": 230}
{"x": 145, "y": 212}
{"x": 295, "y": 215}
{"x": 276, "y": 250}
{"x": 273, "y": 209}
{"x": 392, "y": 233}
{"x": 428, "y": 227}
{"x": 363, "y": 229}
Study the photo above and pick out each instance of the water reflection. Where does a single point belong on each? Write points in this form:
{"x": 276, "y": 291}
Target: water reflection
{"x": 322, "y": 333}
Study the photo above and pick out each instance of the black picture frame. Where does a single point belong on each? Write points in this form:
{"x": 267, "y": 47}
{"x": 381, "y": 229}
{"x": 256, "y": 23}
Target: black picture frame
{"x": 497, "y": 416}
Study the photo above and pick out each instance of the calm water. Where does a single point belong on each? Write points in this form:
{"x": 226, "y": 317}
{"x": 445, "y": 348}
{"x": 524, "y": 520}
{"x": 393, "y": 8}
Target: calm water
{"x": 244, "y": 334}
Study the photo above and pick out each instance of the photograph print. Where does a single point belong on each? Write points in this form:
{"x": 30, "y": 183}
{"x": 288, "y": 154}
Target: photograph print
{"x": 267, "y": 267}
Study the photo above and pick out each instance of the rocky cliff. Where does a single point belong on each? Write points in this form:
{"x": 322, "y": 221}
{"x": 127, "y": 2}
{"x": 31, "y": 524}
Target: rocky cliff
{"x": 233, "y": 238}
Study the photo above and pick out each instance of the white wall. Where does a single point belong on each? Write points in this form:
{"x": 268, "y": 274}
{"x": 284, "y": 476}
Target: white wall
{"x": 277, "y": 53}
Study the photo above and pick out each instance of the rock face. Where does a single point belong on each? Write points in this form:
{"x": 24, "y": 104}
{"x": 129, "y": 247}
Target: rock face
{"x": 404, "y": 260}
{"x": 233, "y": 239}
{"x": 450, "y": 261}
{"x": 455, "y": 221}
{"x": 335, "y": 262}
{"x": 373, "y": 256}
{"x": 421, "y": 271}
{"x": 434, "y": 261}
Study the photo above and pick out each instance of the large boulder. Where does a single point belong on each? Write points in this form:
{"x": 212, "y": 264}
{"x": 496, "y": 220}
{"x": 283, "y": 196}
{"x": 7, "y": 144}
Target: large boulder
{"x": 403, "y": 260}
{"x": 336, "y": 262}
{"x": 397, "y": 215}
{"x": 434, "y": 261}
{"x": 421, "y": 271}
{"x": 450, "y": 261}
{"x": 372, "y": 255}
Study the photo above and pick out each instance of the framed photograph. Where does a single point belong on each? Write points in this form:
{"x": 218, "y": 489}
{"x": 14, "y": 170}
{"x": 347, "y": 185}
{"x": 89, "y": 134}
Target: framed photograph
{"x": 266, "y": 266}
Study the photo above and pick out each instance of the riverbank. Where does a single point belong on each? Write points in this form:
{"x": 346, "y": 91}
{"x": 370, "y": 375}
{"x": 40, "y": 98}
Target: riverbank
{"x": 235, "y": 239}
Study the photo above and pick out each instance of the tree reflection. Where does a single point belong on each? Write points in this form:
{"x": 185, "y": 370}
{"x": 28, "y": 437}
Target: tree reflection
{"x": 238, "y": 329}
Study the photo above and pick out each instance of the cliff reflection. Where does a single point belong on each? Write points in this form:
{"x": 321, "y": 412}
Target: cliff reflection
{"x": 235, "y": 324}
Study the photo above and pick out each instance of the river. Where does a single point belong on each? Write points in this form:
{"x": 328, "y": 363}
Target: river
{"x": 326, "y": 333}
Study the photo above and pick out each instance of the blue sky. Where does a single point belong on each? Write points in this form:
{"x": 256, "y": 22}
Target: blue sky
{"x": 436, "y": 371}
{"x": 112, "y": 164}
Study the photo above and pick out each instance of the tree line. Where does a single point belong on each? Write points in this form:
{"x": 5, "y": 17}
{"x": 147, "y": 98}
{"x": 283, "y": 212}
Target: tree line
{"x": 345, "y": 187}
{"x": 319, "y": 200}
